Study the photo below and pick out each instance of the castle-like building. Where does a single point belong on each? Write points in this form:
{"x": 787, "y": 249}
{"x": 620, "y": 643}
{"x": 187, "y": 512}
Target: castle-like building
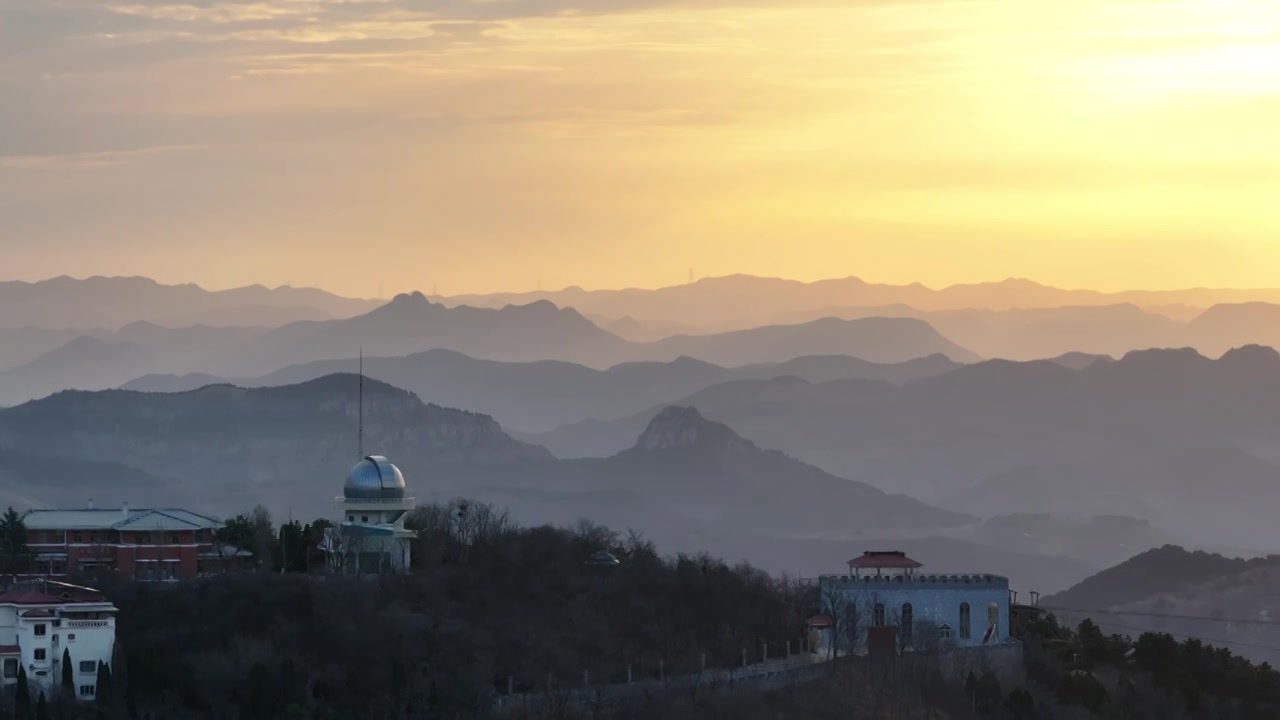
{"x": 885, "y": 604}
{"x": 371, "y": 537}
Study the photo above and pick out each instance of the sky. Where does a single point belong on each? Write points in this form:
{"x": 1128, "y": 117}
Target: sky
{"x": 377, "y": 146}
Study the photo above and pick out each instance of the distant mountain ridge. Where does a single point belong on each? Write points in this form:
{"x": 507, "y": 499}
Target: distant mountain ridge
{"x": 1168, "y": 436}
{"x": 412, "y": 324}
{"x": 729, "y": 302}
{"x": 687, "y": 482}
{"x": 1229, "y": 602}
{"x": 541, "y": 395}
{"x": 113, "y": 302}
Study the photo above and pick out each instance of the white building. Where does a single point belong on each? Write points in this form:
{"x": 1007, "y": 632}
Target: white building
{"x": 41, "y": 620}
{"x": 371, "y": 537}
{"x": 885, "y": 603}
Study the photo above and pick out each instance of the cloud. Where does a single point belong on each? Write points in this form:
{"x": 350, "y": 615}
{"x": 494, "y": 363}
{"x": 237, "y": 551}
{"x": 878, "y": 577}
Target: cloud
{"x": 86, "y": 160}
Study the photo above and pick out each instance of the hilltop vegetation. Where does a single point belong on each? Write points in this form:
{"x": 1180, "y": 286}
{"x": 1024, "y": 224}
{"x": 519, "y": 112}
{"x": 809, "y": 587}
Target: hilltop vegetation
{"x": 487, "y": 601}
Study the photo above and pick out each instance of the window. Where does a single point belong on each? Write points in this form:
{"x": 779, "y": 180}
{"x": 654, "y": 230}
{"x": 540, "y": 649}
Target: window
{"x": 364, "y": 518}
{"x": 10, "y": 668}
{"x": 144, "y": 538}
{"x": 77, "y": 537}
{"x": 908, "y": 621}
{"x": 173, "y": 539}
{"x": 71, "y": 637}
{"x": 965, "y": 631}
{"x": 351, "y": 518}
{"x": 88, "y": 666}
{"x": 877, "y": 615}
{"x": 993, "y": 620}
{"x": 40, "y": 653}
{"x": 41, "y": 629}
{"x": 944, "y": 631}
{"x": 86, "y": 691}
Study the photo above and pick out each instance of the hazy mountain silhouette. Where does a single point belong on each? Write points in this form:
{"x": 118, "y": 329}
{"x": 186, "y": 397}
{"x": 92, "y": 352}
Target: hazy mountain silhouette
{"x": 687, "y": 482}
{"x": 112, "y": 302}
{"x": 86, "y": 363}
{"x": 1037, "y": 333}
{"x": 22, "y": 345}
{"x": 411, "y": 323}
{"x": 1227, "y": 601}
{"x": 1098, "y": 540}
{"x": 1169, "y": 436}
{"x": 739, "y": 301}
{"x": 538, "y": 396}
{"x": 228, "y": 446}
{"x": 1223, "y": 327}
{"x": 104, "y": 360}
{"x": 882, "y": 340}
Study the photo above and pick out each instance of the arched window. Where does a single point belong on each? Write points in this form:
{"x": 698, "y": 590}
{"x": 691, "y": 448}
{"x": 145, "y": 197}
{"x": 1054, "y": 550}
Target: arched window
{"x": 993, "y": 620}
{"x": 877, "y": 615}
{"x": 907, "y": 623}
{"x": 966, "y": 631}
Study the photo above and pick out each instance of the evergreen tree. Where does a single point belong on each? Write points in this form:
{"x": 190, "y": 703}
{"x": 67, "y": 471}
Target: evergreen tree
{"x": 22, "y": 695}
{"x": 13, "y": 542}
{"x": 42, "y": 708}
{"x": 104, "y": 691}
{"x": 68, "y": 678}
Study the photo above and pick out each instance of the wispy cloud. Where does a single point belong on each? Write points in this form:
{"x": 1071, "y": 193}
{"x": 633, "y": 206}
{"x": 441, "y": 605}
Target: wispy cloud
{"x": 87, "y": 160}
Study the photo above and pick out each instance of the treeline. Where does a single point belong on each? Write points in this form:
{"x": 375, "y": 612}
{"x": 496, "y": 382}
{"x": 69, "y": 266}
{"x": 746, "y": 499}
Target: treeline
{"x": 1156, "y": 677}
{"x": 488, "y": 604}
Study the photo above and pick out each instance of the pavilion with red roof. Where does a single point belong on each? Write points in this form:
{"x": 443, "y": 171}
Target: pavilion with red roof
{"x": 883, "y": 562}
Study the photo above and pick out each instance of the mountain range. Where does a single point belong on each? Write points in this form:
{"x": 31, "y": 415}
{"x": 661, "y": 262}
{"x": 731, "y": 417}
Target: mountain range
{"x": 411, "y": 324}
{"x": 113, "y": 302}
{"x": 1170, "y": 436}
{"x": 687, "y": 482}
{"x": 740, "y": 301}
{"x": 539, "y": 396}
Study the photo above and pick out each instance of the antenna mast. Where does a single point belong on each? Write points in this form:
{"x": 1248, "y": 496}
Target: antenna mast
{"x": 360, "y": 408}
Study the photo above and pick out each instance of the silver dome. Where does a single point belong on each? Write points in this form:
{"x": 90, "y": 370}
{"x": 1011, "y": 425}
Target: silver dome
{"x": 374, "y": 478}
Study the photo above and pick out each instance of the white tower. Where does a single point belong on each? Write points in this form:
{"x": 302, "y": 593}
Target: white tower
{"x": 372, "y": 535}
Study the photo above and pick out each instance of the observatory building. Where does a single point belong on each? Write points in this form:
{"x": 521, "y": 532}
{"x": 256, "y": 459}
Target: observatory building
{"x": 371, "y": 537}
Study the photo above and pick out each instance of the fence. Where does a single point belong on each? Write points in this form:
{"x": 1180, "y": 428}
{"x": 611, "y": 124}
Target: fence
{"x": 766, "y": 675}
{"x": 955, "y": 663}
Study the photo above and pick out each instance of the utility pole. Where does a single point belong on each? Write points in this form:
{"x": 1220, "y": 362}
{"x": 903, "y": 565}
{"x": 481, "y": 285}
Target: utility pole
{"x": 360, "y": 410}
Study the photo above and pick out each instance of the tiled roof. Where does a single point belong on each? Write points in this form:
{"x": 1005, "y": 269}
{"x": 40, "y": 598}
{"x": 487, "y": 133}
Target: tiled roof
{"x": 38, "y": 614}
{"x": 10, "y": 649}
{"x": 884, "y": 559}
{"x": 48, "y": 592}
{"x": 119, "y": 519}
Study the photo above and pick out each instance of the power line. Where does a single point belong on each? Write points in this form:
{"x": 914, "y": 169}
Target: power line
{"x": 1165, "y": 616}
{"x": 1185, "y": 636}
{"x": 1212, "y": 641}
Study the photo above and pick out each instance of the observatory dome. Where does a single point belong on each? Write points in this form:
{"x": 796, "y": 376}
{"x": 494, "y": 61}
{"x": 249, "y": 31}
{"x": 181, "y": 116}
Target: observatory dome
{"x": 374, "y": 478}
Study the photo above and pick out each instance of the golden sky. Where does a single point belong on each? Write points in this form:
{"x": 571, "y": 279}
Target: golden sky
{"x": 375, "y": 146}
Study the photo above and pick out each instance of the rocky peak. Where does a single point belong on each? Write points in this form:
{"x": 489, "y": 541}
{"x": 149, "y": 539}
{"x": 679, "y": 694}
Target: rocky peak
{"x": 1251, "y": 358}
{"x": 685, "y": 427}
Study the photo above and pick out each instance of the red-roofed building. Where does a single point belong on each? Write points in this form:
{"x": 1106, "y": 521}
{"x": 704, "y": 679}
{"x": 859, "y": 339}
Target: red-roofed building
{"x": 883, "y": 562}
{"x": 140, "y": 544}
{"x": 43, "y": 620}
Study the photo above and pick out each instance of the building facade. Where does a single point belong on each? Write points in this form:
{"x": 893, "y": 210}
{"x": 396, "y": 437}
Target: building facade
{"x": 43, "y": 621}
{"x": 140, "y": 544}
{"x": 886, "y": 600}
{"x": 371, "y": 536}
